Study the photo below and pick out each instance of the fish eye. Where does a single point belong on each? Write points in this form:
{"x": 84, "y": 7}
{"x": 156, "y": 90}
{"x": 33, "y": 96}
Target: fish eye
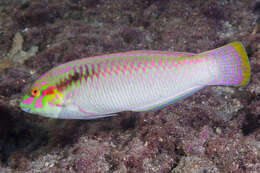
{"x": 35, "y": 92}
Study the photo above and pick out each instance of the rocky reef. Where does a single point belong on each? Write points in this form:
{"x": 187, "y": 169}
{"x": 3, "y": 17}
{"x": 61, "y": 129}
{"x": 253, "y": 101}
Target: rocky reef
{"x": 214, "y": 130}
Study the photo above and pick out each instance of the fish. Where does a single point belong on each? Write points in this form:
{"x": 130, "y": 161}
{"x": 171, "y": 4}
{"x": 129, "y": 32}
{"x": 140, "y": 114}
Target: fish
{"x": 136, "y": 81}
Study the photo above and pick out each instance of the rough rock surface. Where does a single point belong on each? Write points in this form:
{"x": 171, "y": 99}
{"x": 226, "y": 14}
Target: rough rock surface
{"x": 214, "y": 130}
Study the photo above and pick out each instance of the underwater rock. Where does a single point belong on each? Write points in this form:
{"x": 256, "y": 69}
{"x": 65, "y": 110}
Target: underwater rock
{"x": 16, "y": 54}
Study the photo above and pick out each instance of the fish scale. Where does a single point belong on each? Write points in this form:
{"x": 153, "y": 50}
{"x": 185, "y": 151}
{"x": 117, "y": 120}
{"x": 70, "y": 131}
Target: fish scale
{"x": 139, "y": 87}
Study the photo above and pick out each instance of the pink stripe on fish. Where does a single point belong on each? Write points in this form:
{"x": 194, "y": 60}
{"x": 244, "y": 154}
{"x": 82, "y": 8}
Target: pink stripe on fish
{"x": 145, "y": 66}
{"x": 28, "y": 101}
{"x": 160, "y": 62}
{"x": 99, "y": 68}
{"x": 183, "y": 63}
{"x": 124, "y": 69}
{"x": 43, "y": 83}
{"x": 37, "y": 85}
{"x": 44, "y": 75}
{"x": 130, "y": 70}
{"x": 163, "y": 65}
{"x": 190, "y": 61}
{"x": 38, "y": 103}
{"x": 196, "y": 61}
{"x": 82, "y": 110}
{"x": 174, "y": 64}
{"x": 105, "y": 68}
{"x": 117, "y": 69}
{"x": 92, "y": 71}
{"x": 59, "y": 105}
{"x": 166, "y": 62}
{"x": 55, "y": 105}
{"x": 132, "y": 65}
{"x": 111, "y": 68}
{"x": 51, "y": 104}
{"x": 138, "y": 53}
{"x": 152, "y": 63}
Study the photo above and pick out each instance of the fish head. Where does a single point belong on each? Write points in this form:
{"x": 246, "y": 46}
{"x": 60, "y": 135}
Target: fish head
{"x": 43, "y": 99}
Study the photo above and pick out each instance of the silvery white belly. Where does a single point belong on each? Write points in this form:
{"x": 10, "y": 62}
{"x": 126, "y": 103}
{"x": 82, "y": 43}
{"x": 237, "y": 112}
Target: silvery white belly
{"x": 137, "y": 91}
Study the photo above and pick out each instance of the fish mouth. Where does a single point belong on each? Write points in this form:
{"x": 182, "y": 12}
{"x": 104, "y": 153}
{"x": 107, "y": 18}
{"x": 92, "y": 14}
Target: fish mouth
{"x": 26, "y": 109}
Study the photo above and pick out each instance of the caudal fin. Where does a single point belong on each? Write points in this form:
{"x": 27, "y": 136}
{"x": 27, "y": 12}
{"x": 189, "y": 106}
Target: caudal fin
{"x": 232, "y": 64}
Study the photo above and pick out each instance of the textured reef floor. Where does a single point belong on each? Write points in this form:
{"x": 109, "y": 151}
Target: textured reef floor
{"x": 214, "y": 130}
